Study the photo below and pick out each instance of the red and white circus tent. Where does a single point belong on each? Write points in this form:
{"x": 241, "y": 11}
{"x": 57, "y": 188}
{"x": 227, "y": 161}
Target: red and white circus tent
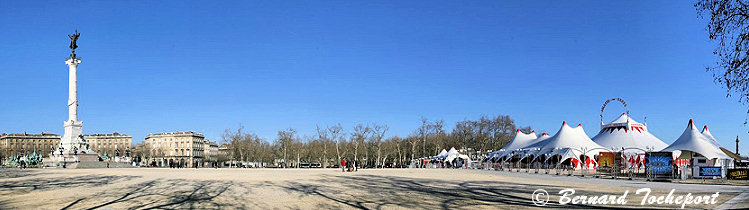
{"x": 568, "y": 143}
{"x": 628, "y": 136}
{"x": 709, "y": 136}
{"x": 521, "y": 140}
{"x": 692, "y": 142}
{"x": 527, "y": 150}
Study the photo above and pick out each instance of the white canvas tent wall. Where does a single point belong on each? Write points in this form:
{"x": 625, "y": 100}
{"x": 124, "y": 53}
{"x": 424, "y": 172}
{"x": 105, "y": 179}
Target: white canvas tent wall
{"x": 521, "y": 140}
{"x": 530, "y": 149}
{"x": 569, "y": 143}
{"x": 692, "y": 140}
{"x": 442, "y": 154}
{"x": 709, "y": 136}
{"x": 453, "y": 154}
{"x": 624, "y": 132}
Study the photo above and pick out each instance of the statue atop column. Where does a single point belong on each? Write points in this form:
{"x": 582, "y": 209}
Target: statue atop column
{"x": 73, "y": 40}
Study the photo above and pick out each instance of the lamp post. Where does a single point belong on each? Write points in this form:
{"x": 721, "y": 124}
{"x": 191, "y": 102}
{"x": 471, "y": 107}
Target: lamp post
{"x": 62, "y": 157}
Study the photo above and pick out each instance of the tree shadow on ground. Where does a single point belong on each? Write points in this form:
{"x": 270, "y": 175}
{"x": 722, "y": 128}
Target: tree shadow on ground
{"x": 328, "y": 192}
{"x": 50, "y": 183}
{"x": 9, "y": 173}
{"x": 167, "y": 194}
{"x": 381, "y": 192}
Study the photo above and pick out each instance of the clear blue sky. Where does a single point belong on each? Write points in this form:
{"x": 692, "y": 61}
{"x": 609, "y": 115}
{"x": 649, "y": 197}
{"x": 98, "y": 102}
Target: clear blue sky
{"x": 158, "y": 67}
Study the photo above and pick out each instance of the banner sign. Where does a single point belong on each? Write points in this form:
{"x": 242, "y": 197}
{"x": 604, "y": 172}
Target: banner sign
{"x": 738, "y": 173}
{"x": 606, "y": 159}
{"x": 711, "y": 171}
{"x": 659, "y": 164}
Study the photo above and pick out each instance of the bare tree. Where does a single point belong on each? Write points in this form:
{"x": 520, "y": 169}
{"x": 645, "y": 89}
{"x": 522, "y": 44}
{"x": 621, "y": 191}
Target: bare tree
{"x": 357, "y": 137}
{"x": 322, "y": 135}
{"x": 729, "y": 25}
{"x": 335, "y": 133}
{"x": 285, "y": 140}
{"x": 378, "y": 132}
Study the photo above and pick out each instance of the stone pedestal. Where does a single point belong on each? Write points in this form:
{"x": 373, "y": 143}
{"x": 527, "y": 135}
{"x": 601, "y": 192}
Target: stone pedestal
{"x": 70, "y": 160}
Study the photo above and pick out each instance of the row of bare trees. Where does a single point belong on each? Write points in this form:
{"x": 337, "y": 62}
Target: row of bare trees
{"x": 366, "y": 143}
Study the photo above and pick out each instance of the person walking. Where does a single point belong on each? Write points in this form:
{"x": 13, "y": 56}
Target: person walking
{"x": 343, "y": 165}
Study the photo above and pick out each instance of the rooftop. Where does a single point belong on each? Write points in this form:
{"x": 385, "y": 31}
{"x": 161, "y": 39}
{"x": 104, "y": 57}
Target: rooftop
{"x": 107, "y": 134}
{"x": 179, "y": 133}
{"x": 24, "y": 134}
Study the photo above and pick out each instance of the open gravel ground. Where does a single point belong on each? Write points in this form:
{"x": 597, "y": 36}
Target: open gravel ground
{"x": 145, "y": 188}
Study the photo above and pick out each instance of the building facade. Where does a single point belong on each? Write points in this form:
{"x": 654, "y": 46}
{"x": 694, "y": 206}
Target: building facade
{"x": 109, "y": 144}
{"x": 18, "y": 144}
{"x": 210, "y": 151}
{"x": 180, "y": 149}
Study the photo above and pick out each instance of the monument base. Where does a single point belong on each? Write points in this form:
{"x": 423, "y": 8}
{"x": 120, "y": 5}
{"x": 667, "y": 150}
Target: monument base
{"x": 84, "y": 161}
{"x": 73, "y": 161}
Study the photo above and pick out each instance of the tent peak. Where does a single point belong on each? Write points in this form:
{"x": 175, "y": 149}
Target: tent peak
{"x": 578, "y": 125}
{"x": 564, "y": 122}
{"x": 544, "y": 134}
{"x": 704, "y": 128}
{"x": 533, "y": 131}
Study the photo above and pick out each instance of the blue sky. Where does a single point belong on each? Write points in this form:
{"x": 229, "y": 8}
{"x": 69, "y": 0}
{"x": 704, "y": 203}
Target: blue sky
{"x": 174, "y": 66}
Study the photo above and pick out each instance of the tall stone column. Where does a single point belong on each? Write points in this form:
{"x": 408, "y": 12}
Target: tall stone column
{"x": 72, "y": 140}
{"x": 73, "y": 88}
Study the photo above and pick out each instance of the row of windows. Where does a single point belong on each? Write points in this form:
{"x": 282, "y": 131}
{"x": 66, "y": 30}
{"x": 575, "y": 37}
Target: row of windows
{"x": 33, "y": 140}
{"x": 28, "y": 145}
{"x": 176, "y": 144}
{"x": 109, "y": 146}
{"x": 109, "y": 141}
{"x": 178, "y": 152}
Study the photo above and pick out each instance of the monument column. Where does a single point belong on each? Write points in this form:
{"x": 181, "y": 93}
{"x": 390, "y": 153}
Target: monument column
{"x": 72, "y": 142}
{"x": 73, "y": 88}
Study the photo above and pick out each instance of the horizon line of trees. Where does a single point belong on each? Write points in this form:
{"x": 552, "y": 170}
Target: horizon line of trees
{"x": 366, "y": 143}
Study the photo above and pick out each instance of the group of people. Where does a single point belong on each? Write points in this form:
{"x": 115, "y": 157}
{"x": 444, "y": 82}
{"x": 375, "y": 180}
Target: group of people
{"x": 348, "y": 165}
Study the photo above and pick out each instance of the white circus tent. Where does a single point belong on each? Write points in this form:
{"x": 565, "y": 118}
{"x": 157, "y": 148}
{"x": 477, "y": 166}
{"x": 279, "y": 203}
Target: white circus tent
{"x": 454, "y": 154}
{"x": 442, "y": 154}
{"x": 709, "y": 136}
{"x": 626, "y": 133}
{"x": 569, "y": 143}
{"x": 692, "y": 141}
{"x": 528, "y": 150}
{"x": 521, "y": 140}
